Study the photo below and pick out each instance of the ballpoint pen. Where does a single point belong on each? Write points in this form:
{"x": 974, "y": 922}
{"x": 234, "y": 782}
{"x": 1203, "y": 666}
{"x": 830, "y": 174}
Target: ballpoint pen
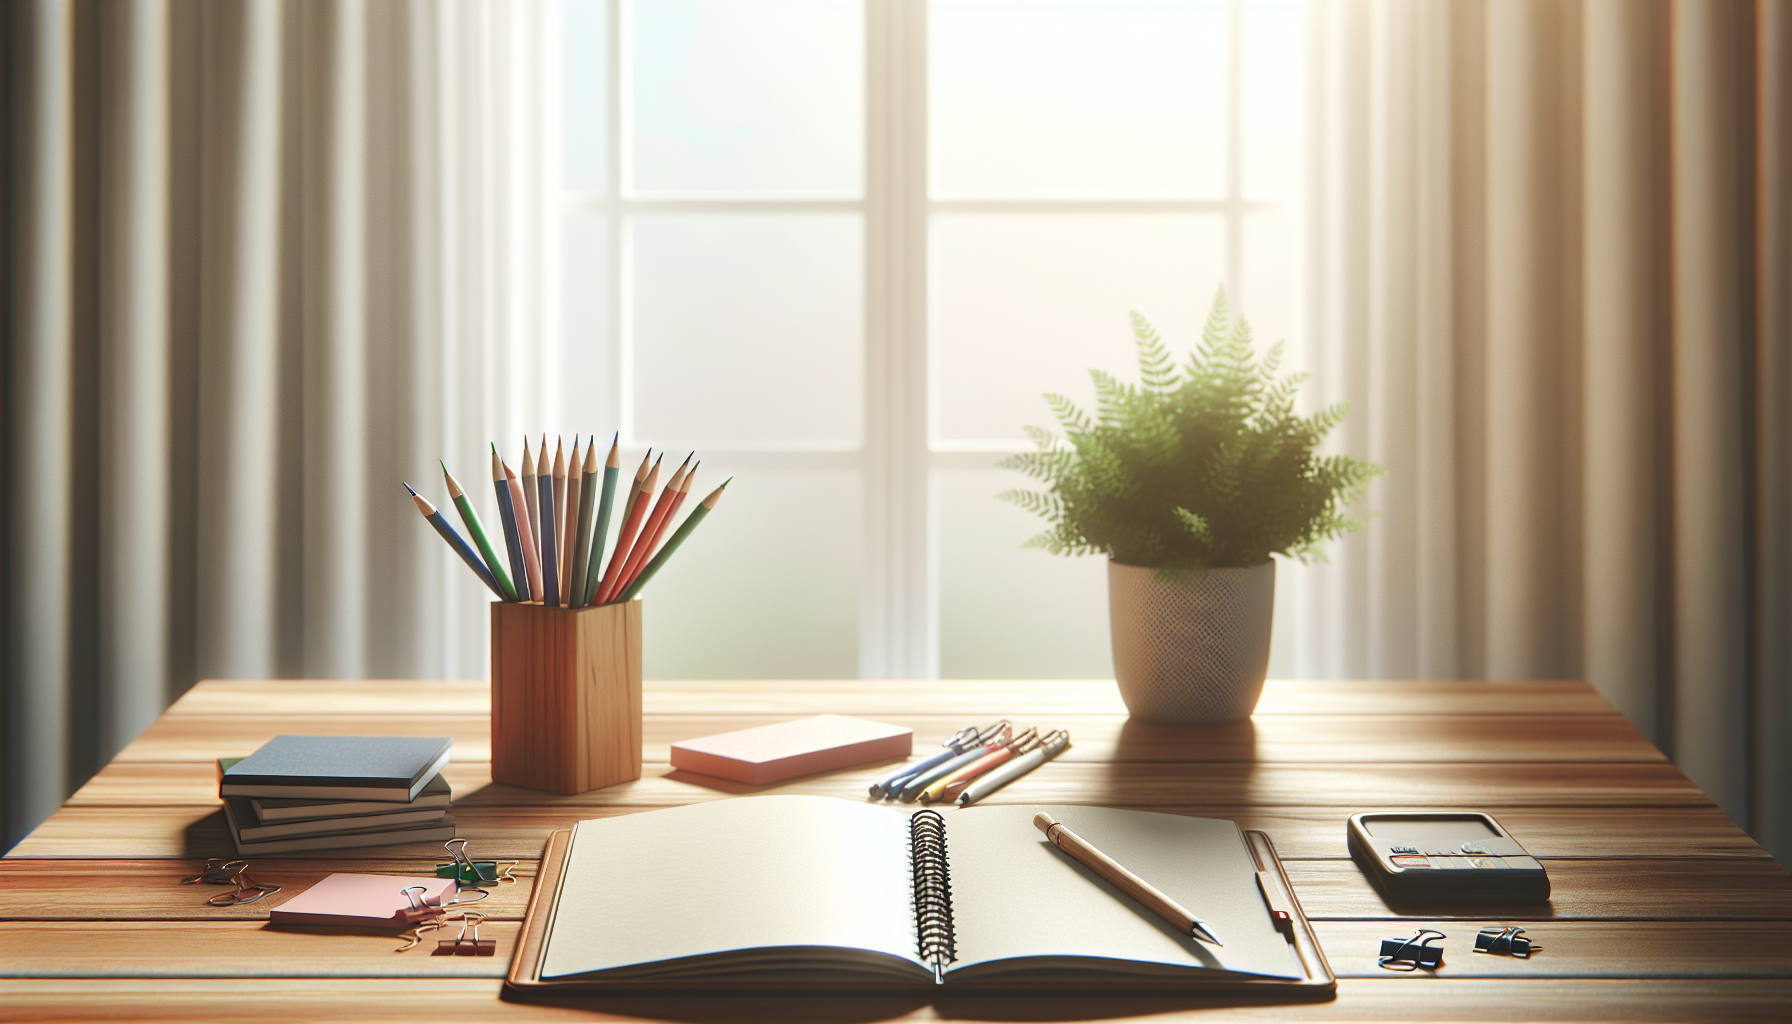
{"x": 912, "y": 787}
{"x": 948, "y": 787}
{"x": 961, "y": 741}
{"x": 1127, "y": 882}
{"x": 1050, "y": 746}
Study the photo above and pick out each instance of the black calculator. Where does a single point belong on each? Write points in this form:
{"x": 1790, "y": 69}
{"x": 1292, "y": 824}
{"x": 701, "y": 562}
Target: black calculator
{"x": 1462, "y": 857}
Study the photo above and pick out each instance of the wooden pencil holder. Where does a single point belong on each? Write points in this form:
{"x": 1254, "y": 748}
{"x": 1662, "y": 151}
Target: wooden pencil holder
{"x": 566, "y": 696}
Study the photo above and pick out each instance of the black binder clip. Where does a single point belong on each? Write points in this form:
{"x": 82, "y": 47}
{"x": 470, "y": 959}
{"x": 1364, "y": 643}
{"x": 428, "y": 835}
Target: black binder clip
{"x": 467, "y": 871}
{"x": 1414, "y": 953}
{"x": 1505, "y": 941}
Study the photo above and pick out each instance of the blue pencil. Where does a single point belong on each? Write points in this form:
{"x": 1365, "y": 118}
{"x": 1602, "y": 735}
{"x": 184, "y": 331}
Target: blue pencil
{"x": 550, "y": 561}
{"x": 455, "y": 541}
{"x": 513, "y": 541}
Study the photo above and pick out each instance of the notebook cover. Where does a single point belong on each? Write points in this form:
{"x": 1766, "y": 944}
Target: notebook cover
{"x": 524, "y": 980}
{"x": 365, "y": 900}
{"x": 329, "y": 766}
{"x": 772, "y": 753}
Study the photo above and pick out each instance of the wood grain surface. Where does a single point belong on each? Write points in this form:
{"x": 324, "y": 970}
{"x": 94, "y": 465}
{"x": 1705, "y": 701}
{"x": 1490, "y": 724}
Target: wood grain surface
{"x": 1662, "y": 908}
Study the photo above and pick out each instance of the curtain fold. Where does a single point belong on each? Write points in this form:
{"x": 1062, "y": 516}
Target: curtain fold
{"x": 256, "y": 246}
{"x": 1548, "y": 265}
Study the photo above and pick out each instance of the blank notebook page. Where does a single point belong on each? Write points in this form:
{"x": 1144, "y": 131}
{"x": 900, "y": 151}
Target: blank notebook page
{"x": 712, "y": 877}
{"x": 1014, "y": 894}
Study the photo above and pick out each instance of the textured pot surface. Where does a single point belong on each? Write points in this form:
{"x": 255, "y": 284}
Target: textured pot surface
{"x": 1194, "y": 650}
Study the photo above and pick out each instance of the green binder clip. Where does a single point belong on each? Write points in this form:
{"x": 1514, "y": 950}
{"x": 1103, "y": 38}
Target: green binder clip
{"x": 466, "y": 871}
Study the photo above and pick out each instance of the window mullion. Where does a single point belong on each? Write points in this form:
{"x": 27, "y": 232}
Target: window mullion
{"x": 898, "y": 632}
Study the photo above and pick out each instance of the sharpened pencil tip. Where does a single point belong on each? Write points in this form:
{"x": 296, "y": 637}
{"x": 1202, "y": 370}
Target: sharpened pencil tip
{"x": 408, "y": 487}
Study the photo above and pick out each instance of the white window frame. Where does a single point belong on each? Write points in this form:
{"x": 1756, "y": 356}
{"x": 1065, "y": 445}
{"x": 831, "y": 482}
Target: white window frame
{"x": 899, "y": 627}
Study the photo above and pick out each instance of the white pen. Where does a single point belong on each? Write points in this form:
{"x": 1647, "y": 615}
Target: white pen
{"x": 1053, "y": 745}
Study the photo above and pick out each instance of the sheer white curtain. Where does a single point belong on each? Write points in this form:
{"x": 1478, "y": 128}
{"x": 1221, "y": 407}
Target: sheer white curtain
{"x": 1547, "y": 252}
{"x": 268, "y": 259}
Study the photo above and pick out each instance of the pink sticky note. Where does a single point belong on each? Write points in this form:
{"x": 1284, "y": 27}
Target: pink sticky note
{"x": 366, "y": 900}
{"x": 770, "y": 753}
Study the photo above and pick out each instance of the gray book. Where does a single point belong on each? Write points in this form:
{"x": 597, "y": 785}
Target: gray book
{"x": 436, "y": 795}
{"x": 392, "y": 768}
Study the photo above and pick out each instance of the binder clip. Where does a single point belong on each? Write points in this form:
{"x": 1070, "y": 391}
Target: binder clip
{"x": 248, "y": 890}
{"x": 467, "y": 871}
{"x": 218, "y": 871}
{"x": 465, "y": 945}
{"x": 420, "y": 908}
{"x": 1414, "y": 953}
{"x": 1505, "y": 941}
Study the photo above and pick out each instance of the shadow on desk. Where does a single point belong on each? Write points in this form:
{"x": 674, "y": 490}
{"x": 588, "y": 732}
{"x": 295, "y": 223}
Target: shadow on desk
{"x": 1142, "y": 742}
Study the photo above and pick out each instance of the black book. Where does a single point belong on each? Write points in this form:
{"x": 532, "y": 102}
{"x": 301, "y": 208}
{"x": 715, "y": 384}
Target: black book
{"x": 339, "y": 767}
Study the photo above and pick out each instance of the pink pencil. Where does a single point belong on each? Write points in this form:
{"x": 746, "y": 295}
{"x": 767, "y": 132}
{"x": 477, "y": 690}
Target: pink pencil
{"x": 531, "y": 556}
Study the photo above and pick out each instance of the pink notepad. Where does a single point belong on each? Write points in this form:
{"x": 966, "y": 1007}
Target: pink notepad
{"x": 770, "y": 753}
{"x": 365, "y": 900}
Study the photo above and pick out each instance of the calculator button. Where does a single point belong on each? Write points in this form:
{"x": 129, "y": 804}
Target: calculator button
{"x": 1403, "y": 849}
{"x": 1474, "y": 848}
{"x": 1412, "y": 861}
{"x": 1488, "y": 862}
{"x": 1451, "y": 863}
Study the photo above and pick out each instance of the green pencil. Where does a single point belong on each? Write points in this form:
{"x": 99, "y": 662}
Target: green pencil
{"x": 471, "y": 518}
{"x": 587, "y": 507}
{"x": 605, "y": 504}
{"x": 684, "y": 530}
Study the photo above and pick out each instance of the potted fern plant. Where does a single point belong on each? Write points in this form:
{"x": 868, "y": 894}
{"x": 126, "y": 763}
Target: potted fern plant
{"x": 1190, "y": 482}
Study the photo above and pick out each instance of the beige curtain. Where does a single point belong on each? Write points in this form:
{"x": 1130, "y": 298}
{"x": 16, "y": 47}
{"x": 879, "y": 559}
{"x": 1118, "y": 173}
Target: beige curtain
{"x": 1548, "y": 261}
{"x": 265, "y": 259}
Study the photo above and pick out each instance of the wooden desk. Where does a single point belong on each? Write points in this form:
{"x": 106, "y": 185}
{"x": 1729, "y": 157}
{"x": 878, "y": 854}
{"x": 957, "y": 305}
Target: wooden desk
{"x": 1663, "y": 909}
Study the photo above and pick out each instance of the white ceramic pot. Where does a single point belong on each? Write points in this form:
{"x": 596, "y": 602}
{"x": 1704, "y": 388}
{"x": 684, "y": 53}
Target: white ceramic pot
{"x": 1193, "y": 650}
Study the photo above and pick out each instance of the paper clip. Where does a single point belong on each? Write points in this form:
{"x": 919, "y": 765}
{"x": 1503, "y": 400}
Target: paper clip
{"x": 218, "y": 871}
{"x": 1414, "y": 953}
{"x": 248, "y": 890}
{"x": 465, "y": 945}
{"x": 467, "y": 871}
{"x": 1508, "y": 940}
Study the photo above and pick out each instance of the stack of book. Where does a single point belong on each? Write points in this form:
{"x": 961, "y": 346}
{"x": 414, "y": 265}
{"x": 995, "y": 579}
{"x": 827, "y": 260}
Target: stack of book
{"x": 332, "y": 792}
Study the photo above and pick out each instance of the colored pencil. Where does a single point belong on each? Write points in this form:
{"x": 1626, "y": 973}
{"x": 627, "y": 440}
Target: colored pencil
{"x": 455, "y": 541}
{"x": 512, "y": 540}
{"x": 550, "y": 527}
{"x": 566, "y": 500}
{"x": 581, "y": 554}
{"x": 684, "y": 530}
{"x": 594, "y": 582}
{"x": 625, "y": 538}
{"x": 526, "y": 479}
{"x": 650, "y": 529}
{"x": 477, "y": 529}
{"x": 531, "y": 559}
{"x": 660, "y": 529}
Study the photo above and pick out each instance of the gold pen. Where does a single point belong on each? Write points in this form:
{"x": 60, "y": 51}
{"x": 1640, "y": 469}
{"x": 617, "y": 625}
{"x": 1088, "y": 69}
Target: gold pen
{"x": 1128, "y": 883}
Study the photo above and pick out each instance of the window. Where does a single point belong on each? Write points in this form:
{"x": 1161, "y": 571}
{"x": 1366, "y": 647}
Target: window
{"x": 840, "y": 248}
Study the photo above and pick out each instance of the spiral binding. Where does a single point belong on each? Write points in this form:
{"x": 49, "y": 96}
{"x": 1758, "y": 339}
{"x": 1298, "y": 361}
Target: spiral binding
{"x": 933, "y": 891}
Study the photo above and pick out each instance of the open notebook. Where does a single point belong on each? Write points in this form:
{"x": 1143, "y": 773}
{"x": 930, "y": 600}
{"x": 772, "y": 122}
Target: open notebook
{"x": 794, "y": 890}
